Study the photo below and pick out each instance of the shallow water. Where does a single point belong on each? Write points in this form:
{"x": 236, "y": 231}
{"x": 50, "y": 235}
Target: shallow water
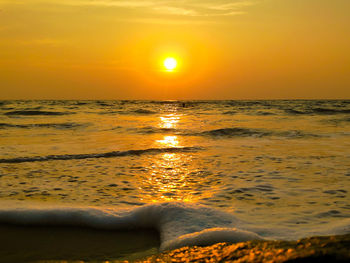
{"x": 281, "y": 167}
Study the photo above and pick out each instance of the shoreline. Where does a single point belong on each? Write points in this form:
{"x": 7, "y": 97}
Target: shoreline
{"x": 312, "y": 249}
{"x": 78, "y": 244}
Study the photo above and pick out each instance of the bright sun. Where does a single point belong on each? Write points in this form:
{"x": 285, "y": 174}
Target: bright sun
{"x": 170, "y": 64}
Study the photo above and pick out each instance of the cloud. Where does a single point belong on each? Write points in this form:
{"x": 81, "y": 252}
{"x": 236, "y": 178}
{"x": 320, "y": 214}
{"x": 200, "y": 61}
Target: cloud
{"x": 111, "y": 3}
{"x": 192, "y": 8}
{"x": 48, "y": 42}
{"x": 171, "y": 10}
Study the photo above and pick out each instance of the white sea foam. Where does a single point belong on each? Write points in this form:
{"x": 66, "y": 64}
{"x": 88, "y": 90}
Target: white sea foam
{"x": 179, "y": 224}
{"x": 211, "y": 236}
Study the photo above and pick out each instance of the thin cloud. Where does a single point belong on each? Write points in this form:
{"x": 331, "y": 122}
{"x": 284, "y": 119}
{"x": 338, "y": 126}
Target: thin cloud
{"x": 231, "y": 6}
{"x": 192, "y": 8}
{"x": 175, "y": 11}
{"x": 111, "y": 3}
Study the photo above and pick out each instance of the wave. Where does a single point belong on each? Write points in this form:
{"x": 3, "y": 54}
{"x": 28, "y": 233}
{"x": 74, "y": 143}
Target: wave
{"x": 103, "y": 104}
{"x": 68, "y": 125}
{"x": 179, "y": 224}
{"x": 230, "y": 112}
{"x": 295, "y": 134}
{"x": 236, "y": 132}
{"x": 317, "y": 111}
{"x": 111, "y": 112}
{"x": 121, "y": 112}
{"x": 98, "y": 155}
{"x": 80, "y": 103}
{"x": 330, "y": 111}
{"x": 152, "y": 130}
{"x": 257, "y": 113}
{"x": 35, "y": 113}
{"x": 228, "y": 132}
{"x": 143, "y": 111}
{"x": 264, "y": 113}
{"x": 336, "y": 121}
{"x": 249, "y": 132}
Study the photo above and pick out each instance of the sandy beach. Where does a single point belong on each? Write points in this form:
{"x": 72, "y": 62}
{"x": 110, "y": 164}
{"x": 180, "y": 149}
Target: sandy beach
{"x": 314, "y": 249}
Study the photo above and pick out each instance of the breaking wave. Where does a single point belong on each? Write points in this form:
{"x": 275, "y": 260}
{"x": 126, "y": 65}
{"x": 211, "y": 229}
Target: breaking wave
{"x": 179, "y": 224}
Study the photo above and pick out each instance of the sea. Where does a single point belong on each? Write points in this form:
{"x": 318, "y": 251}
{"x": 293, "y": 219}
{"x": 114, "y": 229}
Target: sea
{"x": 198, "y": 172}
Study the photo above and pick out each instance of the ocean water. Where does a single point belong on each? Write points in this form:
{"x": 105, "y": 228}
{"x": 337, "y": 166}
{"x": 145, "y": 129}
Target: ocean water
{"x": 197, "y": 171}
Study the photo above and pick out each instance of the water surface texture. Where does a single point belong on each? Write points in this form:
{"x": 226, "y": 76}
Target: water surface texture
{"x": 281, "y": 167}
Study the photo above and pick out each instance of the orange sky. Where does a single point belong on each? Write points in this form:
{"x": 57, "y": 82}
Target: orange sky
{"x": 226, "y": 49}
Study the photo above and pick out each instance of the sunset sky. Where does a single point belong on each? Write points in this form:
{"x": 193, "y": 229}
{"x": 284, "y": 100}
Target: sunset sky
{"x": 225, "y": 49}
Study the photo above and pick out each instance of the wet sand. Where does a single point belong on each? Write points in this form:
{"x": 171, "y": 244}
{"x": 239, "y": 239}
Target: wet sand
{"x": 33, "y": 243}
{"x": 314, "y": 249}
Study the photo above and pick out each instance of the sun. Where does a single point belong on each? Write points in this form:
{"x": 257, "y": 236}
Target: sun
{"x": 170, "y": 64}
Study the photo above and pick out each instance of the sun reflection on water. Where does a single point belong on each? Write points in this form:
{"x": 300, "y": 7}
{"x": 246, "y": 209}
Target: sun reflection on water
{"x": 170, "y": 174}
{"x": 169, "y": 178}
{"x": 169, "y": 141}
{"x": 169, "y": 121}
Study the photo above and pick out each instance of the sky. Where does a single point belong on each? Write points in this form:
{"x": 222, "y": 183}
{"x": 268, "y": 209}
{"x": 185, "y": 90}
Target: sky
{"x": 225, "y": 49}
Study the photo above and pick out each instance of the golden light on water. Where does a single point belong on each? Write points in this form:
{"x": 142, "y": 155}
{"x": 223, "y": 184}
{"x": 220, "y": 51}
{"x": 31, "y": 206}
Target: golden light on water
{"x": 169, "y": 121}
{"x": 169, "y": 141}
{"x": 170, "y": 178}
{"x": 173, "y": 176}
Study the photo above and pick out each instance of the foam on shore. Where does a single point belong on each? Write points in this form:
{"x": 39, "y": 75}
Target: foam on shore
{"x": 179, "y": 224}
